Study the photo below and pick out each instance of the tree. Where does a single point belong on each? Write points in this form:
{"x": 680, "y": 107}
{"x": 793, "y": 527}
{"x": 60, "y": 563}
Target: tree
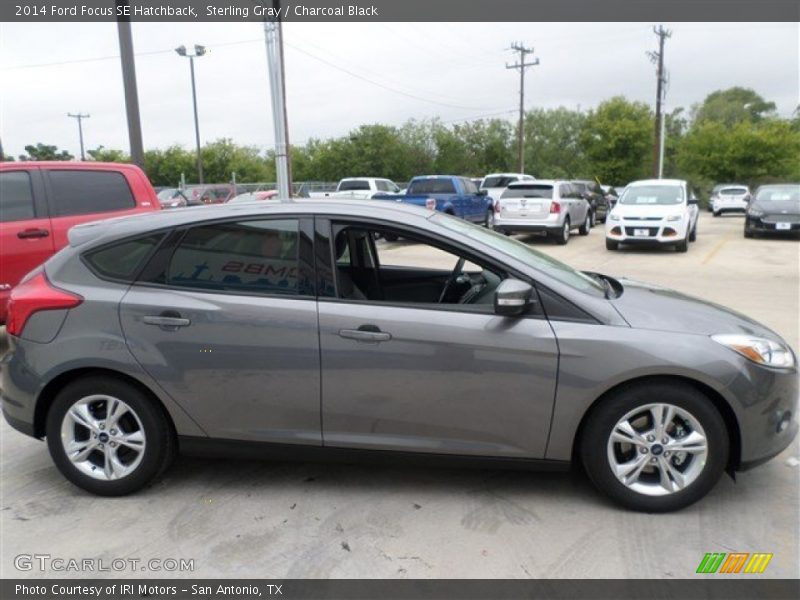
{"x": 732, "y": 106}
{"x": 618, "y": 139}
{"x": 103, "y": 154}
{"x": 746, "y": 152}
{"x": 44, "y": 152}
{"x": 552, "y": 143}
{"x": 222, "y": 158}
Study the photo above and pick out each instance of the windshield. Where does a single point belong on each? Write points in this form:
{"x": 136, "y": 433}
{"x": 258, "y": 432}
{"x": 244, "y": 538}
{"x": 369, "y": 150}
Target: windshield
{"x": 643, "y": 195}
{"x": 499, "y": 181}
{"x": 356, "y": 184}
{"x": 733, "y": 191}
{"x": 529, "y": 191}
{"x": 516, "y": 249}
{"x": 779, "y": 193}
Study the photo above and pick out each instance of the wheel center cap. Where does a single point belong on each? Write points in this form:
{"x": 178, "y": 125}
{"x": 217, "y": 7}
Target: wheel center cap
{"x": 656, "y": 449}
{"x": 103, "y": 437}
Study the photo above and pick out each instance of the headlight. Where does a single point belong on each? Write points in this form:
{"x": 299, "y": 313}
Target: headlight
{"x": 755, "y": 213}
{"x": 759, "y": 350}
{"x": 613, "y": 217}
{"x": 675, "y": 218}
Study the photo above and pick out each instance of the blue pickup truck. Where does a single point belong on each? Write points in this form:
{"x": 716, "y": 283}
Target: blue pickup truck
{"x": 456, "y": 196}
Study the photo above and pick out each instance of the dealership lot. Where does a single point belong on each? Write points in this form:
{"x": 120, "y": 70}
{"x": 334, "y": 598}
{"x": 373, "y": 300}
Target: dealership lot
{"x": 276, "y": 520}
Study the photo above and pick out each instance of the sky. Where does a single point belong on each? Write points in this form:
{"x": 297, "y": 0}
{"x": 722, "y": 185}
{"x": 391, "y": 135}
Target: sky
{"x": 342, "y": 75}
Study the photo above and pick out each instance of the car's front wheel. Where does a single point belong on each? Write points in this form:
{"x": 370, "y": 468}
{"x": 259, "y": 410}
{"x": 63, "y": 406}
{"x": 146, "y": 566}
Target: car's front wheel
{"x": 108, "y": 437}
{"x": 655, "y": 447}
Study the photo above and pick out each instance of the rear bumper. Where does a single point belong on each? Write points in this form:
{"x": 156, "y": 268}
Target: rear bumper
{"x": 17, "y": 405}
{"x": 721, "y": 207}
{"x": 550, "y": 224}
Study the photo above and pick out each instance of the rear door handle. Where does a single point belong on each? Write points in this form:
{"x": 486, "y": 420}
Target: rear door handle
{"x": 169, "y": 320}
{"x": 366, "y": 333}
{"x": 27, "y": 234}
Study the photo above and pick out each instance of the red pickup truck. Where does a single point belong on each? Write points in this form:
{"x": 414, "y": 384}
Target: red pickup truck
{"x": 40, "y": 201}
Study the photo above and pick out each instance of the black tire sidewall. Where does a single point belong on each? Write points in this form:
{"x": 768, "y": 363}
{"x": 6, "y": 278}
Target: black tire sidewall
{"x": 159, "y": 448}
{"x": 604, "y": 417}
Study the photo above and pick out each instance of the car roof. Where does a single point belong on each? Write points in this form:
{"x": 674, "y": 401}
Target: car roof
{"x": 514, "y": 184}
{"x": 506, "y": 175}
{"x": 664, "y": 182}
{"x": 66, "y": 165}
{"x": 129, "y": 225}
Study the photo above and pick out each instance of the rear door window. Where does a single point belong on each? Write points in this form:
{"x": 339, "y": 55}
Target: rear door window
{"x": 82, "y": 192}
{"x": 16, "y": 197}
{"x": 249, "y": 256}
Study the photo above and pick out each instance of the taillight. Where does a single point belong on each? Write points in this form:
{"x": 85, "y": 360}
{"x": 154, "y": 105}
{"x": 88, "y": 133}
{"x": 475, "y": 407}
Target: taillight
{"x": 555, "y": 208}
{"x": 497, "y": 206}
{"x": 32, "y": 295}
{"x": 430, "y": 203}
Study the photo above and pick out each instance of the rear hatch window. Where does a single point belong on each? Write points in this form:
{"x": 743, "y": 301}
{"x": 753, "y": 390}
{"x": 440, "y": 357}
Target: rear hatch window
{"x": 532, "y": 190}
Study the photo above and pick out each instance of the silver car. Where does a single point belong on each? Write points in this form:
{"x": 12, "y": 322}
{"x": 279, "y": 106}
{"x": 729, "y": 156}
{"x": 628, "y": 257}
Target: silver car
{"x": 543, "y": 206}
{"x": 287, "y": 330}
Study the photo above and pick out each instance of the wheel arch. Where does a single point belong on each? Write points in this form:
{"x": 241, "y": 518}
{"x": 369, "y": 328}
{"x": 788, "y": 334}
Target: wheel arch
{"x": 719, "y": 402}
{"x": 55, "y": 385}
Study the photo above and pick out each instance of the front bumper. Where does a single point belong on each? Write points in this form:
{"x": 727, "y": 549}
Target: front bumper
{"x": 657, "y": 232}
{"x": 772, "y": 224}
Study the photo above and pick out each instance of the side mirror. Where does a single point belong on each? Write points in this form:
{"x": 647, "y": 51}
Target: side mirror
{"x": 512, "y": 297}
{"x": 482, "y": 192}
{"x": 693, "y": 200}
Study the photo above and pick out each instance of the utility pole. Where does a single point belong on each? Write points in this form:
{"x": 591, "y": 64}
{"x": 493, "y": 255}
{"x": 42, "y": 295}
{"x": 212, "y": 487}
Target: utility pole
{"x": 80, "y": 117}
{"x": 658, "y": 59}
{"x": 521, "y": 65}
{"x": 129, "y": 84}
{"x": 273, "y": 38}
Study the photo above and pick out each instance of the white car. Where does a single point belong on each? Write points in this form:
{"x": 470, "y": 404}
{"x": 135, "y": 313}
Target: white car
{"x": 363, "y": 187}
{"x": 732, "y": 198}
{"x": 496, "y": 183}
{"x": 655, "y": 212}
{"x": 542, "y": 206}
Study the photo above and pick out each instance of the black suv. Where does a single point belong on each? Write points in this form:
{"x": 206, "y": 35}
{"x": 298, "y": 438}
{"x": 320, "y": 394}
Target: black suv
{"x": 591, "y": 191}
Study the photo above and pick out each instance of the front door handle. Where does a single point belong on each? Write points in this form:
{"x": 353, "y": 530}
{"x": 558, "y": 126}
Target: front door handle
{"x": 365, "y": 333}
{"x": 27, "y": 234}
{"x": 169, "y": 320}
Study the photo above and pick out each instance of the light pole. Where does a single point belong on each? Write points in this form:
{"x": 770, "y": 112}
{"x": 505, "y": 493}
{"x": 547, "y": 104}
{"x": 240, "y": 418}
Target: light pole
{"x": 80, "y": 117}
{"x": 198, "y": 51}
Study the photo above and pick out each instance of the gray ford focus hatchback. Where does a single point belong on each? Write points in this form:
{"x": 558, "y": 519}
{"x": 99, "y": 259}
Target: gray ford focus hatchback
{"x": 289, "y": 329}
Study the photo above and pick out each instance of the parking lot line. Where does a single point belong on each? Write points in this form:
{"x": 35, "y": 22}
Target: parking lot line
{"x": 716, "y": 249}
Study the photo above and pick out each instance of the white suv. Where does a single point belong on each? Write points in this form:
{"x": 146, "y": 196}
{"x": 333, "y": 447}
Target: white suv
{"x": 654, "y": 211}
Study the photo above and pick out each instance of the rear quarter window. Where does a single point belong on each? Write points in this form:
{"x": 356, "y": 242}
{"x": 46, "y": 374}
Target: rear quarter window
{"x": 122, "y": 261}
{"x": 16, "y": 197}
{"x": 81, "y": 192}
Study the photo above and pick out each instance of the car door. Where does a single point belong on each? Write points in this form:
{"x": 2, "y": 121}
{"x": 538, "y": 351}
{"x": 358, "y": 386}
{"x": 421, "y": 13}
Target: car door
{"x": 426, "y": 377}
{"x": 26, "y": 234}
{"x": 224, "y": 319}
{"x": 474, "y": 202}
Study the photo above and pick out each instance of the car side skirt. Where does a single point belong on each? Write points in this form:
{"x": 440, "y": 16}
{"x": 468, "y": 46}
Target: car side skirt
{"x": 222, "y": 448}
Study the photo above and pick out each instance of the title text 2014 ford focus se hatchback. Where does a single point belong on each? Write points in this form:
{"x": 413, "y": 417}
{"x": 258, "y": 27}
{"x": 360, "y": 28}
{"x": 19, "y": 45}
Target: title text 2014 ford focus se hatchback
{"x": 286, "y": 327}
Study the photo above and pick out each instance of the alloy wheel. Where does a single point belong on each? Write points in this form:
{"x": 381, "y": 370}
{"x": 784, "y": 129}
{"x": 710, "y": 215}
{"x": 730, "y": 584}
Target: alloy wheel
{"x": 103, "y": 437}
{"x": 657, "y": 449}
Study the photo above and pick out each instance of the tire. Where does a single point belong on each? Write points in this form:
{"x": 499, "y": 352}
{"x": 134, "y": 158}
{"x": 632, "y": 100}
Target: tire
{"x": 653, "y": 489}
{"x": 562, "y": 237}
{"x": 693, "y": 234}
{"x": 489, "y": 220}
{"x": 683, "y": 245}
{"x": 139, "y": 413}
{"x": 716, "y": 213}
{"x": 611, "y": 244}
{"x": 593, "y": 219}
{"x": 748, "y": 234}
{"x": 587, "y": 225}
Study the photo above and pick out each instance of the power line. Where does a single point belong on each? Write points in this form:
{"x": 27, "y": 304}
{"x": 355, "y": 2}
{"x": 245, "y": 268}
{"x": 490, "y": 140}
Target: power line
{"x": 521, "y": 66}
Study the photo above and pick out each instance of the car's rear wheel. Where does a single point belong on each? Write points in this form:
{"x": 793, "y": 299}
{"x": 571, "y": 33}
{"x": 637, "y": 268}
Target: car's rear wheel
{"x": 655, "y": 447}
{"x": 562, "y": 237}
{"x": 108, "y": 437}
